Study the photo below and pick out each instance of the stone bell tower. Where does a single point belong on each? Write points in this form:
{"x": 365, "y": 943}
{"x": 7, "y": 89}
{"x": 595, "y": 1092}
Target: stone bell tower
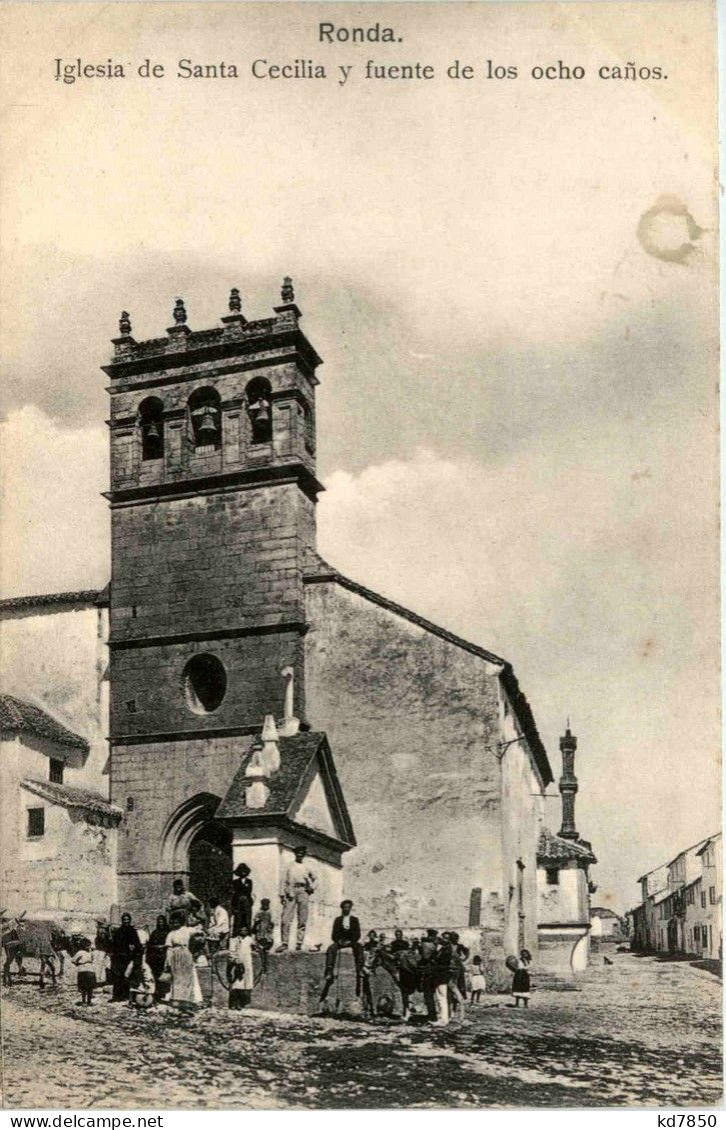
{"x": 212, "y": 499}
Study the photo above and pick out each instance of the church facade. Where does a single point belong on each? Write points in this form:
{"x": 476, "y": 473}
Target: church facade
{"x": 221, "y": 613}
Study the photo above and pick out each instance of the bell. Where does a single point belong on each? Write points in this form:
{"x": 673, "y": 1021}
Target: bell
{"x": 152, "y": 431}
{"x": 207, "y": 427}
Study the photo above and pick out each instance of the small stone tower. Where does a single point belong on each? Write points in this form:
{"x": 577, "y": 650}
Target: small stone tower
{"x": 213, "y": 491}
{"x": 568, "y": 785}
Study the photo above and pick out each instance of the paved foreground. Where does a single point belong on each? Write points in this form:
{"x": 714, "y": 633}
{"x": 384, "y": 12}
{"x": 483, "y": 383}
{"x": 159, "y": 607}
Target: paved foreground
{"x": 639, "y": 1033}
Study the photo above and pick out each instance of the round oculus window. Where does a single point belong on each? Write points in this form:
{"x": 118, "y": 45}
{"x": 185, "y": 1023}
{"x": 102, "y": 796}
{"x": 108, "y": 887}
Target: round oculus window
{"x": 205, "y": 684}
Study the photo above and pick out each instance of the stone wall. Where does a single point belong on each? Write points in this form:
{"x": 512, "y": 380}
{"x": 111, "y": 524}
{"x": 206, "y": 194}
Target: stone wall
{"x": 522, "y": 814}
{"x": 412, "y": 722}
{"x": 209, "y": 563}
{"x": 149, "y": 696}
{"x": 151, "y": 782}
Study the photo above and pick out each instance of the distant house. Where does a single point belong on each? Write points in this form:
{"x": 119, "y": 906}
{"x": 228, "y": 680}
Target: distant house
{"x": 605, "y": 924}
{"x": 681, "y": 908}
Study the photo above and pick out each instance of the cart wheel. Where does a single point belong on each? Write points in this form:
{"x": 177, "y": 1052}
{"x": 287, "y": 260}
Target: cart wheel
{"x": 220, "y": 966}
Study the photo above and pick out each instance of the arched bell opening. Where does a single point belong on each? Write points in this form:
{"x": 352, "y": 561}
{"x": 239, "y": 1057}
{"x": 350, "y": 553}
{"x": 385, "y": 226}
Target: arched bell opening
{"x": 151, "y": 424}
{"x": 205, "y": 417}
{"x": 258, "y": 397}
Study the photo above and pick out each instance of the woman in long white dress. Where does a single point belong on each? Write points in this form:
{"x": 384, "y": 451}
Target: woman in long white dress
{"x": 240, "y": 953}
{"x": 185, "y": 988}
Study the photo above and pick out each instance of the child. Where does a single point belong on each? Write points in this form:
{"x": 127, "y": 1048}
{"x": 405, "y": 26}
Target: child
{"x": 478, "y": 980}
{"x": 238, "y": 994}
{"x": 142, "y": 985}
{"x": 84, "y": 963}
{"x": 520, "y": 981}
{"x": 263, "y": 928}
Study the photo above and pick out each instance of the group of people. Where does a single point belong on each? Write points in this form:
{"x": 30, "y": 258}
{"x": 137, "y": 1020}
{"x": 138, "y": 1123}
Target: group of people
{"x": 145, "y": 967}
{"x": 436, "y": 964}
{"x": 149, "y": 967}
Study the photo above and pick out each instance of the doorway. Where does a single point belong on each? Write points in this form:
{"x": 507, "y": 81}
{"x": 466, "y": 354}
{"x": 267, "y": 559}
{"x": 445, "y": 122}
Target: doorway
{"x": 210, "y": 863}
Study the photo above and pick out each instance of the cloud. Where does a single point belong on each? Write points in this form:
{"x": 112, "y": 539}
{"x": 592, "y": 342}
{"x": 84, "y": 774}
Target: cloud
{"x": 54, "y": 526}
{"x": 567, "y": 568}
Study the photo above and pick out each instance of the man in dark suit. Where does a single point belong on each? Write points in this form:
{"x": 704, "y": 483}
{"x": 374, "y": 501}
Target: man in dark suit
{"x": 346, "y": 936}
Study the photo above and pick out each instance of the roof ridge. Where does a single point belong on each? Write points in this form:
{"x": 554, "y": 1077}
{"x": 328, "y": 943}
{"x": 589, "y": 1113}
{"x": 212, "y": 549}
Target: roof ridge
{"x": 42, "y": 600}
{"x": 76, "y": 795}
{"x": 14, "y": 705}
{"x": 330, "y": 572}
{"x": 20, "y": 716}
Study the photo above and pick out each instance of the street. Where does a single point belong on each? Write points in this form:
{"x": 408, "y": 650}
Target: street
{"x": 639, "y": 1033}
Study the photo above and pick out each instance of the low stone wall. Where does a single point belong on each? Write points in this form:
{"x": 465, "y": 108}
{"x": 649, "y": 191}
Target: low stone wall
{"x": 294, "y": 981}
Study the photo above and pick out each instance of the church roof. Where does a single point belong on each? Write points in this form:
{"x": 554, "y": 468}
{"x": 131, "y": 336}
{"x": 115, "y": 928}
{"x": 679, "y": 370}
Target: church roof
{"x": 554, "y": 849}
{"x": 318, "y": 571}
{"x": 51, "y": 600}
{"x": 20, "y": 717}
{"x": 70, "y": 796}
{"x": 300, "y": 756}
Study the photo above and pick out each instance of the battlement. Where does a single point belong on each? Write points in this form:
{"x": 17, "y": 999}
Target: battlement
{"x": 183, "y": 346}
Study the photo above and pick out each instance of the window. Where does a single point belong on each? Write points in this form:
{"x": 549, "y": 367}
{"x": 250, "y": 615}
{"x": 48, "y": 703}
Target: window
{"x": 36, "y": 822}
{"x": 712, "y": 895}
{"x": 55, "y": 773}
{"x": 151, "y": 422}
{"x": 204, "y": 680}
{"x": 258, "y": 395}
{"x": 206, "y": 419}
{"x": 703, "y": 900}
{"x": 553, "y": 877}
{"x": 689, "y": 896}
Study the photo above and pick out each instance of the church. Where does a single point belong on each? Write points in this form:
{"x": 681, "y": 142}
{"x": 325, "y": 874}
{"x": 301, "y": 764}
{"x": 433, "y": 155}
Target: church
{"x": 136, "y": 722}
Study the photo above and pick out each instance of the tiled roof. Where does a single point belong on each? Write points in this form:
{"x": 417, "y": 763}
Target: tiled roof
{"x": 318, "y": 571}
{"x": 51, "y": 599}
{"x": 19, "y": 717}
{"x": 296, "y": 756}
{"x": 555, "y": 849}
{"x": 69, "y": 796}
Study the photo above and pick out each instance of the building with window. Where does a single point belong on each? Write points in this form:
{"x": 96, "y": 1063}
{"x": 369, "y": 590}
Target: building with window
{"x": 58, "y": 837}
{"x": 711, "y": 898}
{"x": 681, "y": 908}
{"x": 220, "y": 612}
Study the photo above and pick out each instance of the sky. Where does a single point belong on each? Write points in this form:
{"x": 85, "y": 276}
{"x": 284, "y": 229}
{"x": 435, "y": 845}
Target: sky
{"x": 512, "y": 286}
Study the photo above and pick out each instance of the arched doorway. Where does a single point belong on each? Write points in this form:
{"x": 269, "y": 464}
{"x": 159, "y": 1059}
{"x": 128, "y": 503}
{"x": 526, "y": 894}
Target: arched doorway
{"x": 198, "y": 847}
{"x": 210, "y": 863}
